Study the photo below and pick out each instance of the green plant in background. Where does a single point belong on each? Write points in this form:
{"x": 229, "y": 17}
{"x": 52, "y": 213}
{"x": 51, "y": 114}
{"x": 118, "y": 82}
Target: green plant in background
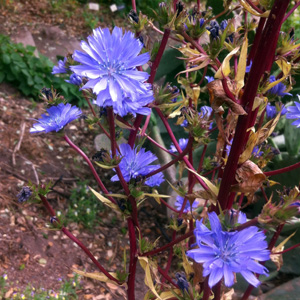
{"x": 29, "y": 74}
{"x": 67, "y": 290}
{"x": 84, "y": 207}
{"x": 91, "y": 20}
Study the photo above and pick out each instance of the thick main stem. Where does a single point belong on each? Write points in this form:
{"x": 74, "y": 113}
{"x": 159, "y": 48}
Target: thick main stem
{"x": 258, "y": 68}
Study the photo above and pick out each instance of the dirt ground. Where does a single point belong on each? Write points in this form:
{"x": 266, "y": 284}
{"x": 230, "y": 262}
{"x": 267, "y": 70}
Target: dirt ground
{"x": 31, "y": 253}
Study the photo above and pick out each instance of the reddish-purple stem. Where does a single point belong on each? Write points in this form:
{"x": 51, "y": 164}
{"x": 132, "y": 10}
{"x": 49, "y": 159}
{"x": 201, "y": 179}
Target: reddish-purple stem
{"x": 132, "y": 261}
{"x": 288, "y": 249}
{"x": 291, "y": 11}
{"x": 84, "y": 156}
{"x": 254, "y": 6}
{"x": 259, "y": 65}
{"x": 165, "y": 247}
{"x": 78, "y": 242}
{"x": 283, "y": 170}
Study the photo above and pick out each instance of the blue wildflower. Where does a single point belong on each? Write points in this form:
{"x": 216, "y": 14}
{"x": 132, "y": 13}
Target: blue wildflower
{"x": 270, "y": 111}
{"x": 182, "y": 281}
{"x": 187, "y": 208}
{"x": 209, "y": 78}
{"x": 278, "y": 89}
{"x": 294, "y": 113}
{"x": 110, "y": 63}
{"x": 256, "y": 153}
{"x": 206, "y": 111}
{"x": 248, "y": 68}
{"x": 75, "y": 79}
{"x": 234, "y": 217}
{"x": 223, "y": 25}
{"x": 201, "y": 22}
{"x": 61, "y": 67}
{"x": 137, "y": 163}
{"x": 59, "y": 116}
{"x": 213, "y": 28}
{"x": 24, "y": 194}
{"x": 182, "y": 144}
{"x": 225, "y": 253}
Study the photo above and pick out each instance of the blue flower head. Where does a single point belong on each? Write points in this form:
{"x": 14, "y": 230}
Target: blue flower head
{"x": 187, "y": 208}
{"x": 223, "y": 25}
{"x": 110, "y": 65}
{"x": 58, "y": 117}
{"x": 270, "y": 111}
{"x": 182, "y": 281}
{"x": 278, "y": 89}
{"x": 209, "y": 78}
{"x": 213, "y": 28}
{"x": 61, "y": 68}
{"x": 75, "y": 79}
{"x": 24, "y": 194}
{"x": 256, "y": 153}
{"x": 224, "y": 253}
{"x": 182, "y": 143}
{"x": 137, "y": 163}
{"x": 248, "y": 68}
{"x": 294, "y": 113}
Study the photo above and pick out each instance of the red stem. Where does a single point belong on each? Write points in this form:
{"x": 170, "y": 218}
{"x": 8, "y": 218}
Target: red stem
{"x": 291, "y": 11}
{"x": 162, "y": 272}
{"x": 133, "y": 4}
{"x": 84, "y": 156}
{"x": 258, "y": 68}
{"x": 172, "y": 162}
{"x": 287, "y": 250}
{"x": 254, "y": 6}
{"x": 78, "y": 242}
{"x": 283, "y": 170}
{"x": 178, "y": 240}
{"x": 133, "y": 260}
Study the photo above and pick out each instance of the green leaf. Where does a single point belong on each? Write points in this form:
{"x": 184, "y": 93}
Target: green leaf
{"x": 6, "y": 59}
{"x": 292, "y": 138}
{"x": 2, "y": 76}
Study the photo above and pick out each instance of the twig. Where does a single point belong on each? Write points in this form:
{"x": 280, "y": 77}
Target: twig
{"x": 18, "y": 145}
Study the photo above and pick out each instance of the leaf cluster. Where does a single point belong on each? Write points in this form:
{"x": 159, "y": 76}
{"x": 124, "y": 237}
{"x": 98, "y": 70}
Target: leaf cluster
{"x": 20, "y": 67}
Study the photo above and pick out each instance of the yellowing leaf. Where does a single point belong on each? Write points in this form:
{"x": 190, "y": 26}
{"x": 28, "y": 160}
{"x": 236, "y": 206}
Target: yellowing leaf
{"x": 98, "y": 276}
{"x": 224, "y": 70}
{"x": 105, "y": 166}
{"x": 122, "y": 125}
{"x": 241, "y": 69}
{"x": 251, "y": 143}
{"x": 252, "y": 11}
{"x": 285, "y": 68}
{"x": 104, "y": 200}
{"x": 267, "y": 129}
{"x": 148, "y": 278}
{"x": 188, "y": 268}
{"x": 211, "y": 186}
{"x": 277, "y": 258}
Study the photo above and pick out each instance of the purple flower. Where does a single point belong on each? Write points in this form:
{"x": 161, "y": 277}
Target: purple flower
{"x": 278, "y": 89}
{"x": 61, "y": 67}
{"x": 182, "y": 144}
{"x": 110, "y": 63}
{"x": 224, "y": 253}
{"x": 209, "y": 78}
{"x": 270, "y": 111}
{"x": 294, "y": 113}
{"x": 58, "y": 117}
{"x": 223, "y": 25}
{"x": 187, "y": 208}
{"x": 256, "y": 153}
{"x": 213, "y": 28}
{"x": 182, "y": 281}
{"x": 75, "y": 79}
{"x": 206, "y": 112}
{"x": 248, "y": 68}
{"x": 136, "y": 163}
{"x": 24, "y": 194}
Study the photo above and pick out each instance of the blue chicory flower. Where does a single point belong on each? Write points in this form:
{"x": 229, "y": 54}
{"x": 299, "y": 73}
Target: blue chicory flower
{"x": 187, "y": 208}
{"x": 137, "y": 163}
{"x": 61, "y": 68}
{"x": 182, "y": 281}
{"x": 110, "y": 63}
{"x": 201, "y": 22}
{"x": 75, "y": 79}
{"x": 205, "y": 112}
{"x": 223, "y": 25}
{"x": 256, "y": 153}
{"x": 294, "y": 113}
{"x": 278, "y": 89}
{"x": 270, "y": 111}
{"x": 182, "y": 144}
{"x": 209, "y": 78}
{"x": 24, "y": 194}
{"x": 58, "y": 117}
{"x": 224, "y": 253}
{"x": 248, "y": 68}
{"x": 213, "y": 28}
